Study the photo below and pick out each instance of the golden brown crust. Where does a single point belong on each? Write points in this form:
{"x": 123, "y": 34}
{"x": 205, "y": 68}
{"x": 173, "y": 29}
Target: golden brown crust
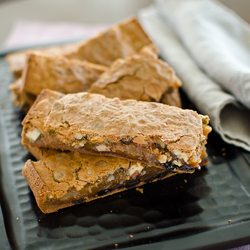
{"x": 141, "y": 76}
{"x": 64, "y": 180}
{"x": 93, "y": 123}
{"x": 119, "y": 41}
{"x": 58, "y": 73}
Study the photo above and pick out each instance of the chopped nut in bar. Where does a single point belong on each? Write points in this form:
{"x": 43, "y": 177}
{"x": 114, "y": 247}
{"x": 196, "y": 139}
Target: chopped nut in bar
{"x": 142, "y": 77}
{"x": 64, "y": 180}
{"x": 52, "y": 72}
{"x": 149, "y": 132}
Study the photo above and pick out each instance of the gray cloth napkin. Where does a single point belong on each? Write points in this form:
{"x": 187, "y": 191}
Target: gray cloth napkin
{"x": 198, "y": 39}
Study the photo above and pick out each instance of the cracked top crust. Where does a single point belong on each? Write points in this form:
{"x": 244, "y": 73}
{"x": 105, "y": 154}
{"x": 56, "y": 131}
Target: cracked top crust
{"x": 119, "y": 41}
{"x": 74, "y": 170}
{"x": 58, "y": 73}
{"x": 141, "y": 77}
{"x": 74, "y": 115}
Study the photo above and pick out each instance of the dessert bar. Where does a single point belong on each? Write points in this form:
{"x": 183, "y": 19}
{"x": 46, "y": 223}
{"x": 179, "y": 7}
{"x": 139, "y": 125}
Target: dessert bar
{"x": 142, "y": 77}
{"x": 65, "y": 180}
{"x": 58, "y": 73}
{"x": 149, "y": 132}
{"x": 53, "y": 72}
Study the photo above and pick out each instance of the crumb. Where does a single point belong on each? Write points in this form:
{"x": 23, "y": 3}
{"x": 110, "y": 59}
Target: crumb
{"x": 185, "y": 181}
{"x": 111, "y": 211}
{"x": 214, "y": 157}
{"x": 17, "y": 218}
{"x": 147, "y": 227}
{"x": 140, "y": 190}
{"x": 116, "y": 245}
{"x": 224, "y": 154}
{"x": 245, "y": 188}
{"x": 131, "y": 236}
{"x": 229, "y": 221}
{"x": 223, "y": 149}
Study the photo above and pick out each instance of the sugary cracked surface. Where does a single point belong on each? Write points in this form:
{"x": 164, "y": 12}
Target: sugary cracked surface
{"x": 142, "y": 77}
{"x": 68, "y": 179}
{"x": 112, "y": 126}
{"x": 59, "y": 73}
{"x": 52, "y": 72}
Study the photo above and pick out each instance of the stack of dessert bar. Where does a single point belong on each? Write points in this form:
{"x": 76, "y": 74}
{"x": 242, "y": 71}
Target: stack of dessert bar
{"x": 99, "y": 146}
{"x": 121, "y": 62}
{"x": 95, "y": 122}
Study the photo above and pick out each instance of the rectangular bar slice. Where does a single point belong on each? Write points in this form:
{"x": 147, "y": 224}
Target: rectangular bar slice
{"x": 65, "y": 180}
{"x": 52, "y": 72}
{"x": 142, "y": 77}
{"x": 59, "y": 73}
{"x": 148, "y": 132}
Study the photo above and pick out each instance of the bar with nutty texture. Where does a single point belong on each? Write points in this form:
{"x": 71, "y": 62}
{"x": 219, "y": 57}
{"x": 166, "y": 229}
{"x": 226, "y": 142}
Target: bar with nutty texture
{"x": 149, "y": 132}
{"x": 59, "y": 73}
{"x": 65, "y": 180}
{"x": 142, "y": 77}
{"x": 119, "y": 41}
{"x": 52, "y": 72}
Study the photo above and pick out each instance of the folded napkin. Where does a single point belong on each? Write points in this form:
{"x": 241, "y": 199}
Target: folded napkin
{"x": 209, "y": 48}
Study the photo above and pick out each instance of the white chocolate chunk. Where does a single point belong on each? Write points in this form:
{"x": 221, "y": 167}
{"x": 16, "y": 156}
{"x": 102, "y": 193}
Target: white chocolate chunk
{"x": 135, "y": 167}
{"x": 177, "y": 163}
{"x": 78, "y": 136}
{"x": 181, "y": 155}
{"x": 102, "y": 148}
{"x": 32, "y": 135}
{"x": 111, "y": 178}
{"x": 162, "y": 158}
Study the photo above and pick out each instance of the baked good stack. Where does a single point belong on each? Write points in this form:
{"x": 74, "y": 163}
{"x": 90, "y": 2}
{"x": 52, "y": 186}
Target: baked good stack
{"x": 90, "y": 146}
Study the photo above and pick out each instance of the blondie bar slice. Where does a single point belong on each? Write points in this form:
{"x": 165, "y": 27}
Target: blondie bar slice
{"x": 52, "y": 72}
{"x": 59, "y": 73}
{"x": 142, "y": 77}
{"x": 65, "y": 180}
{"x": 148, "y": 132}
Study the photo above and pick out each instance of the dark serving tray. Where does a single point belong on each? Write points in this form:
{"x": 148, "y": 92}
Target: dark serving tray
{"x": 206, "y": 210}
